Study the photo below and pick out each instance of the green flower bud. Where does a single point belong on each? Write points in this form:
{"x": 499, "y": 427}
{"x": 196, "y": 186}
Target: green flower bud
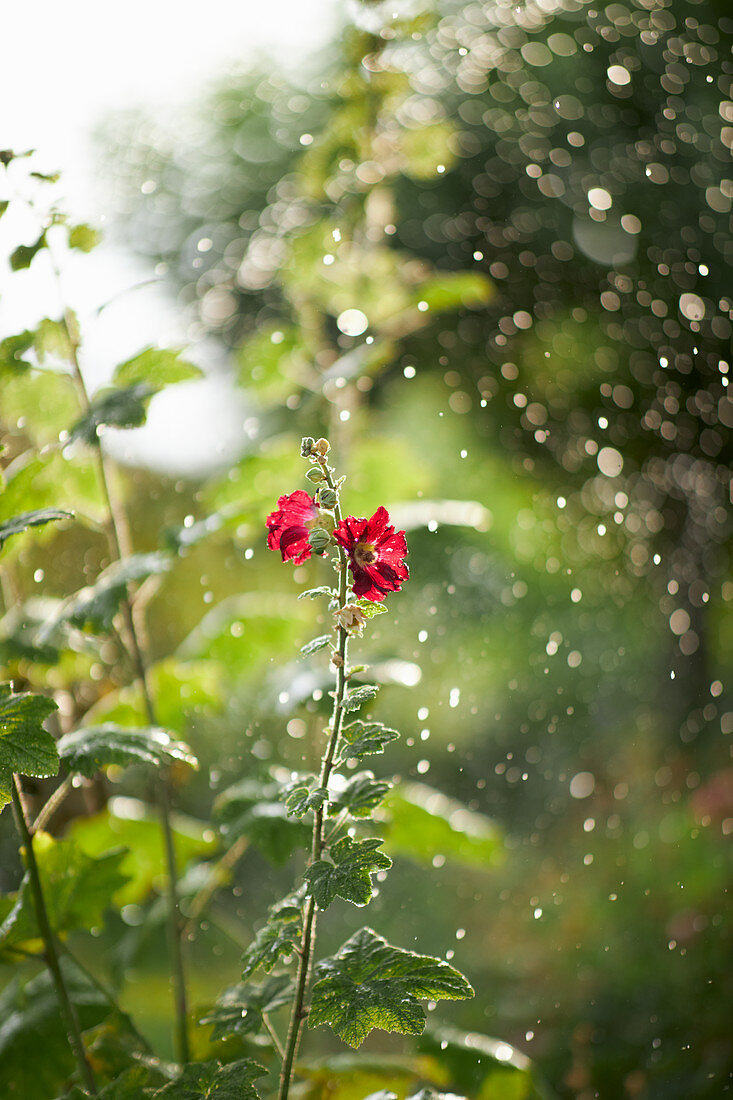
{"x": 315, "y": 474}
{"x": 327, "y": 498}
{"x": 306, "y": 446}
{"x": 319, "y": 540}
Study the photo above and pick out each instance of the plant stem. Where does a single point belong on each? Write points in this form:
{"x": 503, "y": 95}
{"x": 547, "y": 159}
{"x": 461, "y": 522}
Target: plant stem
{"x": 120, "y": 547}
{"x": 52, "y": 804}
{"x": 51, "y": 947}
{"x": 307, "y": 943}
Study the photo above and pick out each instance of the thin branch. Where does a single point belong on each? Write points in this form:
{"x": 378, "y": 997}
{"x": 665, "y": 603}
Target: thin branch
{"x": 52, "y": 804}
{"x": 51, "y": 950}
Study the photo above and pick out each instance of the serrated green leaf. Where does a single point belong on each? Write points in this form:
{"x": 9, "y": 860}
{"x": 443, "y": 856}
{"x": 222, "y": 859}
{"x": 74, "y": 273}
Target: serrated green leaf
{"x": 25, "y": 746}
{"x": 23, "y": 255}
{"x": 96, "y": 605}
{"x": 369, "y": 609}
{"x": 358, "y": 696}
{"x": 278, "y": 938}
{"x": 83, "y": 237}
{"x": 213, "y": 1081}
{"x": 155, "y": 368}
{"x": 360, "y": 795}
{"x": 347, "y": 874}
{"x": 77, "y": 889}
{"x": 311, "y": 593}
{"x": 365, "y": 739}
{"x": 370, "y": 984}
{"x": 36, "y": 518}
{"x": 239, "y": 1010}
{"x": 87, "y": 750}
{"x": 116, "y": 408}
{"x": 300, "y": 797}
{"x": 315, "y": 644}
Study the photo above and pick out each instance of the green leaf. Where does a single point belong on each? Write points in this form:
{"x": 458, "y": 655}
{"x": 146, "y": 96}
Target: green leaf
{"x": 359, "y": 695}
{"x": 360, "y": 795}
{"x": 239, "y": 1010}
{"x": 125, "y": 408}
{"x": 455, "y": 290}
{"x": 348, "y": 871}
{"x": 12, "y": 350}
{"x": 180, "y": 539}
{"x": 369, "y": 609}
{"x": 131, "y": 823}
{"x": 88, "y": 750}
{"x": 35, "y": 518}
{"x": 279, "y": 936}
{"x": 23, "y": 255}
{"x": 315, "y": 644}
{"x": 420, "y": 822}
{"x": 25, "y": 746}
{"x": 4, "y": 204}
{"x": 370, "y": 984}
{"x": 254, "y": 809}
{"x": 301, "y": 796}
{"x": 36, "y": 1060}
{"x": 213, "y": 1081}
{"x": 52, "y": 339}
{"x": 77, "y": 889}
{"x": 365, "y": 739}
{"x": 322, "y": 590}
{"x": 155, "y": 368}
{"x": 96, "y": 605}
{"x": 83, "y": 237}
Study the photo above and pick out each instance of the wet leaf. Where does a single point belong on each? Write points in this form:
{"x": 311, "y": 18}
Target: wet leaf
{"x": 36, "y": 518}
{"x": 347, "y": 871}
{"x": 364, "y": 738}
{"x": 213, "y": 1081}
{"x": 278, "y": 938}
{"x": 155, "y": 368}
{"x": 240, "y": 1008}
{"x": 370, "y": 984}
{"x": 124, "y": 408}
{"x": 25, "y": 746}
{"x": 89, "y": 749}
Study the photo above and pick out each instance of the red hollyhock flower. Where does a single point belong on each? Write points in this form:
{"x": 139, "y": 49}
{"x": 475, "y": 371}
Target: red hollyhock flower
{"x": 376, "y": 554}
{"x": 288, "y": 528}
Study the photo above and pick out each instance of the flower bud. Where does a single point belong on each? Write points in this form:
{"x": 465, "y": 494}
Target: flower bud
{"x": 315, "y": 474}
{"x": 322, "y": 446}
{"x": 319, "y": 540}
{"x": 306, "y": 446}
{"x": 327, "y": 498}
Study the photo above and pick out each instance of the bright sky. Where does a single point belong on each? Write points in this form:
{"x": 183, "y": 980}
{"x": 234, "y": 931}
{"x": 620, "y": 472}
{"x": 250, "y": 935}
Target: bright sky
{"x": 64, "y": 66}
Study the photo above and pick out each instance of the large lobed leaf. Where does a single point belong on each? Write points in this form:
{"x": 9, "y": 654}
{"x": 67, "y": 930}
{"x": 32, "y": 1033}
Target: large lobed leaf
{"x": 213, "y": 1081}
{"x": 370, "y": 984}
{"x": 347, "y": 873}
{"x": 88, "y": 750}
{"x": 77, "y": 889}
{"x": 25, "y": 746}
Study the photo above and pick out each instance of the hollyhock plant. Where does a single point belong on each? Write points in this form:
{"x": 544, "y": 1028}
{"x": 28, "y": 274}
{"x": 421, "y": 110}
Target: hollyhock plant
{"x": 289, "y": 526}
{"x": 376, "y": 554}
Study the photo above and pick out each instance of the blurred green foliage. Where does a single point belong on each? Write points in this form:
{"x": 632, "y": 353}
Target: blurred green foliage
{"x": 486, "y": 252}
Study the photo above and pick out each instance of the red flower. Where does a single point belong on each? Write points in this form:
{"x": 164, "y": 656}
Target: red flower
{"x": 288, "y": 528}
{"x": 376, "y": 554}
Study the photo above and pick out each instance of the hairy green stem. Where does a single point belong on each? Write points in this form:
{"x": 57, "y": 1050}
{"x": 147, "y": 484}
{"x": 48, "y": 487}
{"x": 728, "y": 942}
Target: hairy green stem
{"x": 120, "y": 547}
{"x": 307, "y": 943}
{"x": 51, "y": 951}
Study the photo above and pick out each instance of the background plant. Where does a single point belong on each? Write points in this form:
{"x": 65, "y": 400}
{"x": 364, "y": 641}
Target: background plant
{"x": 595, "y": 959}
